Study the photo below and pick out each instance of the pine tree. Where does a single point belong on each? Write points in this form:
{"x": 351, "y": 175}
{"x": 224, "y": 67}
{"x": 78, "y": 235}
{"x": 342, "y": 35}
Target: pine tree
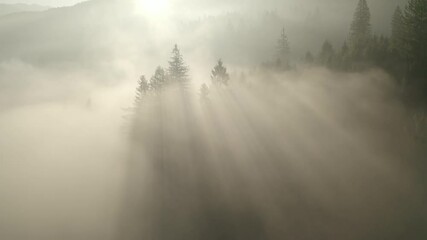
{"x": 383, "y": 50}
{"x": 134, "y": 114}
{"x": 397, "y": 31}
{"x": 379, "y": 54}
{"x": 360, "y": 30}
{"x": 283, "y": 48}
{"x": 159, "y": 79}
{"x": 415, "y": 39}
{"x": 326, "y": 54}
{"x": 373, "y": 48}
{"x": 141, "y": 91}
{"x": 178, "y": 71}
{"x": 219, "y": 74}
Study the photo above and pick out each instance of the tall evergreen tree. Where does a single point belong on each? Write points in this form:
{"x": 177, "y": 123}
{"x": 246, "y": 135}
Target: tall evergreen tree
{"x": 397, "y": 51}
{"x": 178, "y": 71}
{"x": 360, "y": 30}
{"x": 397, "y": 31}
{"x": 379, "y": 51}
{"x": 135, "y": 113}
{"x": 219, "y": 74}
{"x": 283, "y": 47}
{"x": 326, "y": 54}
{"x": 141, "y": 91}
{"x": 415, "y": 22}
{"x": 383, "y": 49}
{"x": 159, "y": 79}
{"x": 373, "y": 48}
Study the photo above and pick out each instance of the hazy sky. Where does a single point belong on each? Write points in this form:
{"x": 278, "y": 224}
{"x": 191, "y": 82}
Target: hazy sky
{"x": 203, "y": 3}
{"x": 52, "y": 3}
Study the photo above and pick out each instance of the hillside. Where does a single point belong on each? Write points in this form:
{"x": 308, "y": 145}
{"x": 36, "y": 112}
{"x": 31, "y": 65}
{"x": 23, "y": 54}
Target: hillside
{"x": 97, "y": 30}
{"x": 6, "y": 9}
{"x": 68, "y": 34}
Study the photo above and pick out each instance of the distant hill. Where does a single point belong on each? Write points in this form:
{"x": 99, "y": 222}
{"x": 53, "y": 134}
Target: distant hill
{"x": 96, "y": 31}
{"x": 6, "y": 9}
{"x": 82, "y": 33}
{"x": 108, "y": 37}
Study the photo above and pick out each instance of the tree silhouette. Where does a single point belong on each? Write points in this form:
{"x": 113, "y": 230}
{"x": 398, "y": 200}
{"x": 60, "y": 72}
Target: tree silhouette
{"x": 378, "y": 51}
{"x": 141, "y": 91}
{"x": 178, "y": 71}
{"x": 219, "y": 74}
{"x": 360, "y": 30}
{"x": 159, "y": 79}
{"x": 326, "y": 54}
{"x": 397, "y": 31}
{"x": 283, "y": 48}
{"x": 415, "y": 21}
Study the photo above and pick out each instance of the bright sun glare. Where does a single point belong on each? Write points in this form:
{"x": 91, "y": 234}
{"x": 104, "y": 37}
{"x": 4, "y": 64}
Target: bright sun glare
{"x": 152, "y": 7}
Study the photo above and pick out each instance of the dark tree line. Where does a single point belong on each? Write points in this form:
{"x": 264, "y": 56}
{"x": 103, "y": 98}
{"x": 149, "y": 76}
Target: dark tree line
{"x": 403, "y": 53}
{"x": 176, "y": 75}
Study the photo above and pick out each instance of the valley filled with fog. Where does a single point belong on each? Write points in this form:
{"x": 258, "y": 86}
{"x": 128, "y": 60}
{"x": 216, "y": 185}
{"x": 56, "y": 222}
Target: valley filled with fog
{"x": 188, "y": 119}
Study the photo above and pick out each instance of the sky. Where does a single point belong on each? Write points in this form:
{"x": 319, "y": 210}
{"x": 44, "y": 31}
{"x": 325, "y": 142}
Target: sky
{"x": 202, "y": 3}
{"x": 50, "y": 3}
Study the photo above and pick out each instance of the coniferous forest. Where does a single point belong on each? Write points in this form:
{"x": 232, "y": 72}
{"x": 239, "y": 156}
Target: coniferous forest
{"x": 255, "y": 158}
{"x": 213, "y": 120}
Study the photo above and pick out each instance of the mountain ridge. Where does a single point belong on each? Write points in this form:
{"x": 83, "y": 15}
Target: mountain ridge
{"x": 6, "y": 9}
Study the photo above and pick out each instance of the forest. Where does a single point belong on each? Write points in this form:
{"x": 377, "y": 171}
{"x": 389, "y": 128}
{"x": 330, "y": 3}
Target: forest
{"x": 213, "y": 119}
{"x": 290, "y": 147}
{"x": 402, "y": 54}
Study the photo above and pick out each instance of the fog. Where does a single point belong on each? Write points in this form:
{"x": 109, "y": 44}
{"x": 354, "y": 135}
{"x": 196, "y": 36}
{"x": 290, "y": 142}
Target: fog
{"x": 278, "y": 150}
{"x": 322, "y": 155}
{"x": 48, "y": 3}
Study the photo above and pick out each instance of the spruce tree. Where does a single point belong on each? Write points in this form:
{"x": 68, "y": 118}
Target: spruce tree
{"x": 360, "y": 30}
{"x": 283, "y": 48}
{"x": 383, "y": 49}
{"x": 379, "y": 52}
{"x": 141, "y": 91}
{"x": 397, "y": 31}
{"x": 415, "y": 22}
{"x": 159, "y": 79}
{"x": 178, "y": 71}
{"x": 373, "y": 48}
{"x": 326, "y": 54}
{"x": 219, "y": 74}
{"x": 397, "y": 65}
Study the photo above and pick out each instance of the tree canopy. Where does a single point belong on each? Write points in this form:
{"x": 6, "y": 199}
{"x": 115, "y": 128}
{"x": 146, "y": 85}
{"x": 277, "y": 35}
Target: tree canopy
{"x": 219, "y": 74}
{"x": 360, "y": 30}
{"x": 178, "y": 71}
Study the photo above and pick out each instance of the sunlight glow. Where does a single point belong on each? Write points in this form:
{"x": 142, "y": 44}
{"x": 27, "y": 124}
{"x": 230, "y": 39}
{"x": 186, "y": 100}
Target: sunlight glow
{"x": 152, "y": 7}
